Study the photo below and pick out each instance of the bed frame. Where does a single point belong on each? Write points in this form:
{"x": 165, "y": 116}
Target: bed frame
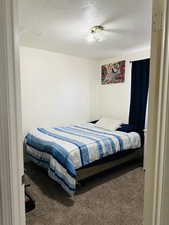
{"x": 110, "y": 162}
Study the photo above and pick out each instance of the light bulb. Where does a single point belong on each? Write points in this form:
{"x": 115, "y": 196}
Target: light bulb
{"x": 98, "y": 35}
{"x": 90, "y": 38}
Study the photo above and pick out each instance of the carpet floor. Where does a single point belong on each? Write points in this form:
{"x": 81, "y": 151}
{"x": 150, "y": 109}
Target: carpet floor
{"x": 111, "y": 198}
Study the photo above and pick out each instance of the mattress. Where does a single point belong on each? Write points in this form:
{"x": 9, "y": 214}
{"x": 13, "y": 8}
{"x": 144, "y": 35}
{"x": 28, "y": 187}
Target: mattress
{"x": 63, "y": 150}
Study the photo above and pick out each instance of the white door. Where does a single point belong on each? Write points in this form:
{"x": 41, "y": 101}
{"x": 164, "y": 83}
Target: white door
{"x": 11, "y": 150}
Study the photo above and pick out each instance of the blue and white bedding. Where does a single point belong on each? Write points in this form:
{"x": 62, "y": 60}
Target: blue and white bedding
{"x": 63, "y": 150}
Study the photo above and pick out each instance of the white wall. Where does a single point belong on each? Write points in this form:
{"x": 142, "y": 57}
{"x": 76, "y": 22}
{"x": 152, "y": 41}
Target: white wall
{"x": 113, "y": 100}
{"x": 56, "y": 89}
{"x": 59, "y": 89}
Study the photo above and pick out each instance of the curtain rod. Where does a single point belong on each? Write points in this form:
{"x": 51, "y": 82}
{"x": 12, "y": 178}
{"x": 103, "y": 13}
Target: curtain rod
{"x": 137, "y": 60}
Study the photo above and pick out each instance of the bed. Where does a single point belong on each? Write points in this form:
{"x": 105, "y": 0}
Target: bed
{"x": 66, "y": 152}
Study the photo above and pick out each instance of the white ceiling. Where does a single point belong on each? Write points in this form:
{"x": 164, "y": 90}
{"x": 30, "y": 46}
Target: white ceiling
{"x": 63, "y": 25}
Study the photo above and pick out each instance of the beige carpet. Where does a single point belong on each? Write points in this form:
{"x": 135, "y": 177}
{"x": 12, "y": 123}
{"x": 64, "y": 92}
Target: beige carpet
{"x": 112, "y": 198}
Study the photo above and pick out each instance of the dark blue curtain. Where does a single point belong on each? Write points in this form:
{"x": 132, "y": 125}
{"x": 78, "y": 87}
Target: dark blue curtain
{"x": 139, "y": 93}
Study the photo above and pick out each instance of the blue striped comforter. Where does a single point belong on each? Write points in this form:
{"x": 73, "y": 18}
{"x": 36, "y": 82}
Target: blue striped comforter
{"x": 63, "y": 150}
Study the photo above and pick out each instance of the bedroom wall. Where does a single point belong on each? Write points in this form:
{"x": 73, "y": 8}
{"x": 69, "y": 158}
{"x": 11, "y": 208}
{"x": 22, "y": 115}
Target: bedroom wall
{"x": 57, "y": 89}
{"x": 113, "y": 100}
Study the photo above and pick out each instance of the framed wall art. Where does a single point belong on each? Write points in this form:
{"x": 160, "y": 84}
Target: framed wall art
{"x": 113, "y": 73}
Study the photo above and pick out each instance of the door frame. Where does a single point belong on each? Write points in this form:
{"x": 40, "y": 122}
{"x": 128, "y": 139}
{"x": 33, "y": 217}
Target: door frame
{"x": 156, "y": 202}
{"x": 11, "y": 153}
{"x": 12, "y": 210}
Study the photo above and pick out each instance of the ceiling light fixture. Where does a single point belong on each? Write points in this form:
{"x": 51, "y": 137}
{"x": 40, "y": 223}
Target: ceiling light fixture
{"x": 96, "y": 34}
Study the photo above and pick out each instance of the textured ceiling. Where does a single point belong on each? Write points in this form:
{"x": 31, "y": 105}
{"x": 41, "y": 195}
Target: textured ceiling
{"x": 63, "y": 25}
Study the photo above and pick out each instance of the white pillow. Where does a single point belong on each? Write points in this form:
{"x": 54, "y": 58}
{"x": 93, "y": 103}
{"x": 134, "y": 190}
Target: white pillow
{"x": 108, "y": 124}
